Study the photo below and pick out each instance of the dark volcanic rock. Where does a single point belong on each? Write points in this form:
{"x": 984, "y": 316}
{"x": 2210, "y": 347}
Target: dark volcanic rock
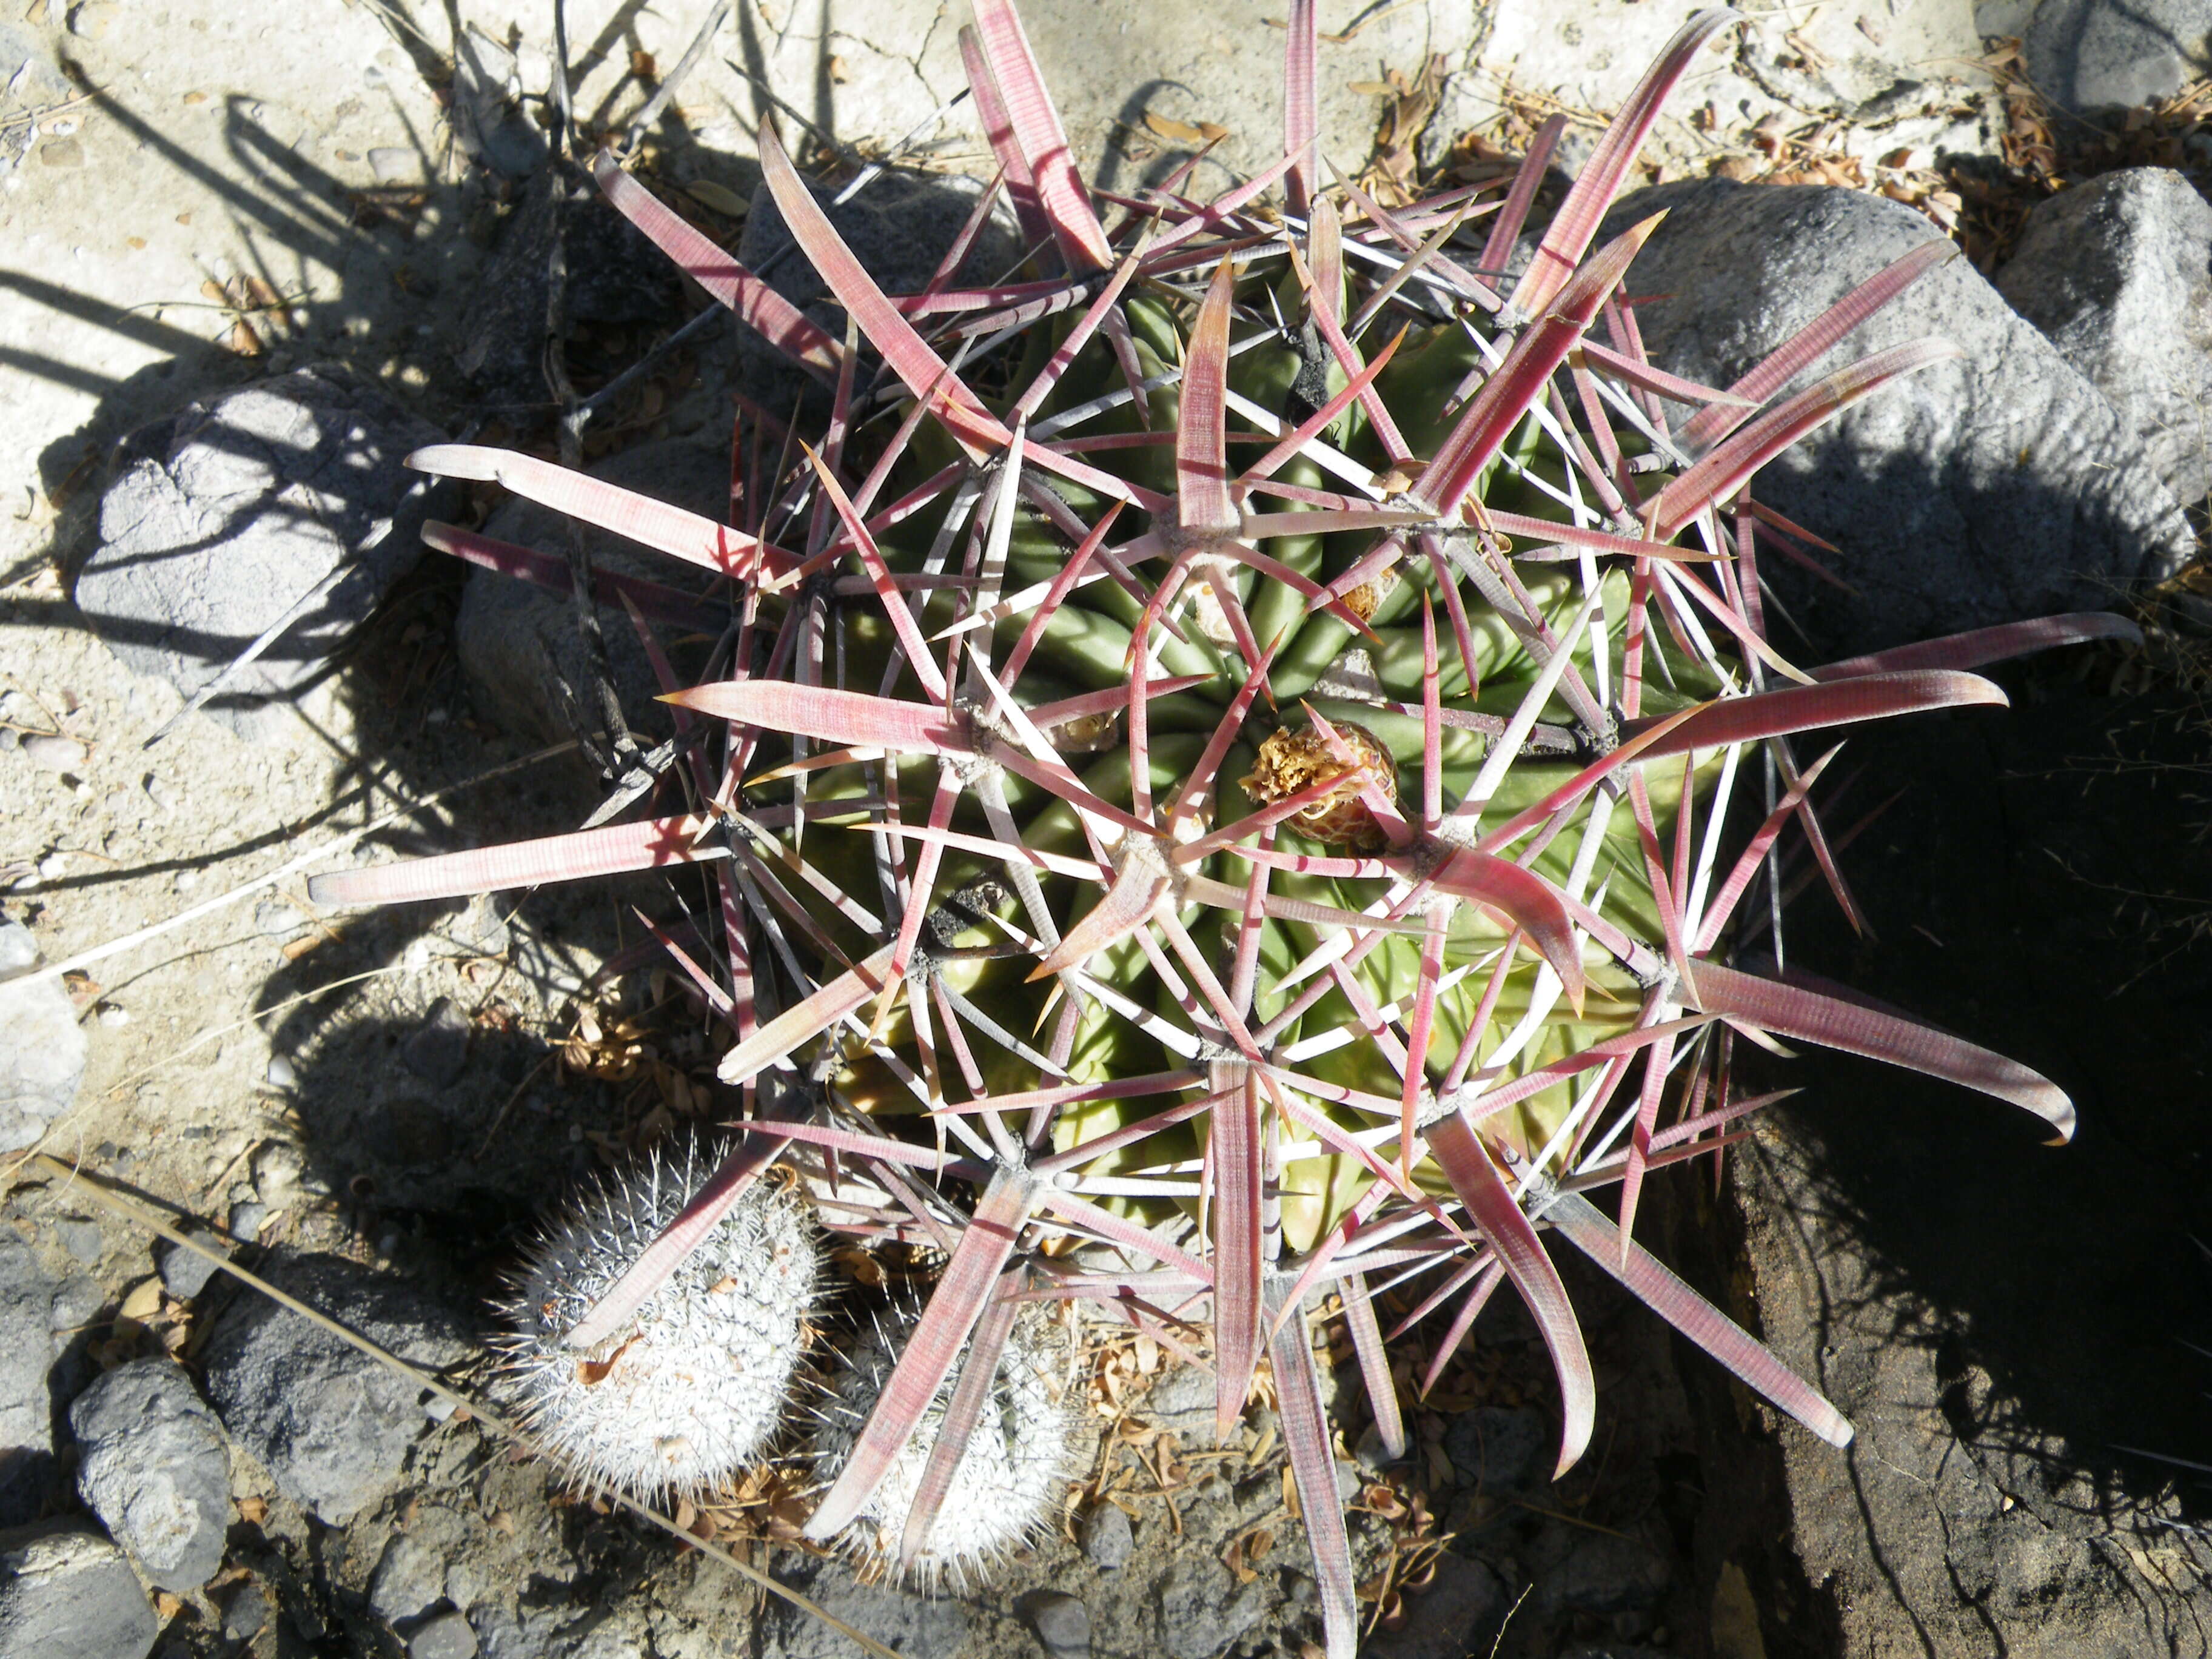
{"x": 153, "y": 1467}
{"x": 332, "y": 1426}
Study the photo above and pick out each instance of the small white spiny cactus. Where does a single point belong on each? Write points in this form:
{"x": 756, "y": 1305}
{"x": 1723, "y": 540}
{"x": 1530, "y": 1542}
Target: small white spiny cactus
{"x": 696, "y": 1389}
{"x": 1008, "y": 1485}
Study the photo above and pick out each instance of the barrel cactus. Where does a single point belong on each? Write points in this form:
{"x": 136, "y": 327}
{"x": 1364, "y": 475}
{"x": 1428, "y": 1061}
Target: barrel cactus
{"x": 1245, "y": 750}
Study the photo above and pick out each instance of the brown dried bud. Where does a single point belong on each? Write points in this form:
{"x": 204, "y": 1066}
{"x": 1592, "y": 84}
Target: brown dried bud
{"x": 1289, "y": 762}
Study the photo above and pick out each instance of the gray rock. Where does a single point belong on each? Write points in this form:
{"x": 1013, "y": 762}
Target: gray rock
{"x": 410, "y": 1580}
{"x": 154, "y": 1467}
{"x": 899, "y": 228}
{"x": 1061, "y": 1622}
{"x": 2117, "y": 274}
{"x": 184, "y": 1273}
{"x": 41, "y": 1045}
{"x": 913, "y": 1626}
{"x": 246, "y": 1220}
{"x": 1498, "y": 1450}
{"x": 438, "y": 1051}
{"x": 245, "y": 1613}
{"x": 75, "y": 1305}
{"x": 1457, "y": 1614}
{"x": 82, "y": 1238}
{"x": 224, "y": 515}
{"x": 1181, "y": 1404}
{"x": 445, "y": 1637}
{"x": 517, "y": 643}
{"x": 27, "y": 1410}
{"x": 332, "y": 1426}
{"x": 1108, "y": 1539}
{"x": 2091, "y": 55}
{"x": 1576, "y": 1570}
{"x": 1203, "y": 1609}
{"x": 1978, "y": 491}
{"x": 67, "y": 1592}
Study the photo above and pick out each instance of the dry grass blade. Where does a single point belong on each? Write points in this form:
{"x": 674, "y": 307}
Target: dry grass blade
{"x": 138, "y": 1213}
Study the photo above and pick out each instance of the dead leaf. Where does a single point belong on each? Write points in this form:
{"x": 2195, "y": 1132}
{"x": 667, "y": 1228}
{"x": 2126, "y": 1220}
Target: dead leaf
{"x": 143, "y": 1300}
{"x": 253, "y": 1510}
{"x": 245, "y": 342}
{"x": 718, "y": 198}
{"x": 196, "y": 98}
{"x": 134, "y": 243}
{"x": 642, "y": 66}
{"x": 1184, "y": 132}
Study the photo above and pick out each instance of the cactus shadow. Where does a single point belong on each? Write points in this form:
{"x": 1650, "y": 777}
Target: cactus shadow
{"x": 2041, "y": 888}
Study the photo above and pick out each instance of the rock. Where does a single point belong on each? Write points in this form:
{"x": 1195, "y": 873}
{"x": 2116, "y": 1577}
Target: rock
{"x": 517, "y": 642}
{"x": 1203, "y": 1609}
{"x": 1498, "y": 1449}
{"x": 1454, "y": 1615}
{"x": 393, "y": 166}
{"x": 41, "y": 1045}
{"x": 899, "y": 228}
{"x": 82, "y": 1238}
{"x": 27, "y": 1411}
{"x": 2117, "y": 274}
{"x": 410, "y": 1580}
{"x": 1181, "y": 1404}
{"x": 93, "y": 20}
{"x": 245, "y": 1613}
{"x": 913, "y": 1626}
{"x": 487, "y": 125}
{"x": 1061, "y": 1622}
{"x": 153, "y": 1467}
{"x": 246, "y": 1221}
{"x": 67, "y": 1592}
{"x": 1576, "y": 1570}
{"x": 332, "y": 1426}
{"x": 1996, "y": 487}
{"x": 438, "y": 1051}
{"x": 184, "y": 1273}
{"x": 224, "y": 515}
{"x": 2092, "y": 55}
{"x": 62, "y": 756}
{"x": 1108, "y": 1539}
{"x": 615, "y": 275}
{"x": 445, "y": 1637}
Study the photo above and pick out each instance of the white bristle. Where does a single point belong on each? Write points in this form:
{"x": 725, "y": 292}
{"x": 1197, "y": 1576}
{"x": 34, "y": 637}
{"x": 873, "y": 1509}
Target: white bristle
{"x": 695, "y": 1388}
{"x": 1008, "y": 1485}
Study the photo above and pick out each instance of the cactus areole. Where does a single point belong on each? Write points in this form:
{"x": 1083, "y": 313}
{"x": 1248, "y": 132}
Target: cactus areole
{"x": 1249, "y": 749}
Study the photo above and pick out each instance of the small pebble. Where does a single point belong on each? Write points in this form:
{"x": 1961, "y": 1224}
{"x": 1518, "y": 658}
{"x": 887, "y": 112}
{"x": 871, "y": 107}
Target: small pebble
{"x": 184, "y": 1273}
{"x": 1107, "y": 1537}
{"x": 445, "y": 1637}
{"x": 82, "y": 1239}
{"x": 279, "y": 1074}
{"x": 1061, "y": 1622}
{"x": 92, "y": 19}
{"x": 438, "y": 1409}
{"x": 246, "y": 1220}
{"x": 53, "y": 866}
{"x": 11, "y": 740}
{"x": 112, "y": 1013}
{"x": 48, "y": 751}
{"x": 62, "y": 153}
{"x": 159, "y": 792}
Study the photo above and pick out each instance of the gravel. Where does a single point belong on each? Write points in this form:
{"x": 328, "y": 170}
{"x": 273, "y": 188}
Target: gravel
{"x": 223, "y": 515}
{"x": 42, "y": 1048}
{"x": 445, "y": 1637}
{"x": 67, "y": 1592}
{"x": 152, "y": 1465}
{"x": 332, "y": 1426}
{"x": 2117, "y": 274}
{"x": 916, "y": 1627}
